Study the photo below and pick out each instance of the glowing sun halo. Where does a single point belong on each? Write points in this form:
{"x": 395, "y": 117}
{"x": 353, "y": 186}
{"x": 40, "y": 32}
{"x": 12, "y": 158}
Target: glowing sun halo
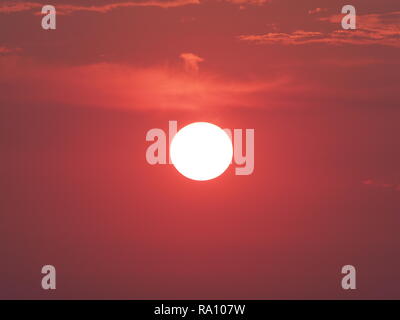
{"x": 201, "y": 151}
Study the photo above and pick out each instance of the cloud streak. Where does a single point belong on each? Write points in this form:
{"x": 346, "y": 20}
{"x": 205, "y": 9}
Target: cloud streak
{"x": 381, "y": 184}
{"x": 372, "y": 29}
{"x": 14, "y": 6}
{"x": 317, "y": 10}
{"x": 6, "y": 50}
{"x": 248, "y": 2}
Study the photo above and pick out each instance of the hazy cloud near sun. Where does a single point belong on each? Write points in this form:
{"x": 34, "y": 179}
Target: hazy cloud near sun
{"x": 372, "y": 29}
{"x": 166, "y": 86}
{"x": 120, "y": 86}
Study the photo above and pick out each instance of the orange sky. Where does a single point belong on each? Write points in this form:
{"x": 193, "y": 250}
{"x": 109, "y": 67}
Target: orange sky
{"x": 76, "y": 104}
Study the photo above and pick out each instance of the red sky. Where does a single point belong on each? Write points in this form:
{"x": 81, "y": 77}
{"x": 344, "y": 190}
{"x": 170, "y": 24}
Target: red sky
{"x": 76, "y": 103}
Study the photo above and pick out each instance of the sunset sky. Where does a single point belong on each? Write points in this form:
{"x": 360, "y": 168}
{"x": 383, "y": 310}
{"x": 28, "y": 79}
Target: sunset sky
{"x": 77, "y": 192}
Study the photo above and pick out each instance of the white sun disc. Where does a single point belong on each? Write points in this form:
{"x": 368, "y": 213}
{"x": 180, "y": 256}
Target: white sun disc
{"x": 201, "y": 151}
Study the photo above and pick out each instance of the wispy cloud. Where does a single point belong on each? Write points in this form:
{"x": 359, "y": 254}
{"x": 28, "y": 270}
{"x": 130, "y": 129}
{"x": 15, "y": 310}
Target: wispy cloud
{"x": 191, "y": 61}
{"x": 66, "y": 8}
{"x": 14, "y": 6}
{"x": 317, "y": 10}
{"x": 244, "y": 2}
{"x": 7, "y": 50}
{"x": 382, "y": 184}
{"x": 372, "y": 29}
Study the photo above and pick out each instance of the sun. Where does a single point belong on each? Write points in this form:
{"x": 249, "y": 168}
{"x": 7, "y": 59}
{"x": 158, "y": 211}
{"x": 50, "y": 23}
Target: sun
{"x": 201, "y": 151}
